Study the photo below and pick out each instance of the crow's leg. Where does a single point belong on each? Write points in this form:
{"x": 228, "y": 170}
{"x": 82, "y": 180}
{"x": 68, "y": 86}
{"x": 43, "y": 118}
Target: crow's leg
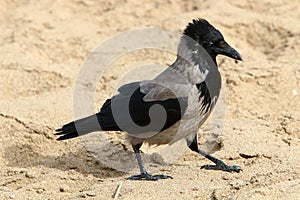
{"x": 219, "y": 164}
{"x": 144, "y": 174}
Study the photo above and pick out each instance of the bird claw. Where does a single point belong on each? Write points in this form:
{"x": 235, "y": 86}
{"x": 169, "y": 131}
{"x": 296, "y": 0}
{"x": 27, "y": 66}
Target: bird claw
{"x": 222, "y": 166}
{"x": 149, "y": 177}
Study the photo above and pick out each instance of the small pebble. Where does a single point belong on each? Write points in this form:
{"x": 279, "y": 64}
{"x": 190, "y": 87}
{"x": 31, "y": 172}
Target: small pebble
{"x": 82, "y": 195}
{"x": 12, "y": 196}
{"x": 29, "y": 175}
{"x": 294, "y": 92}
{"x": 61, "y": 189}
{"x": 40, "y": 191}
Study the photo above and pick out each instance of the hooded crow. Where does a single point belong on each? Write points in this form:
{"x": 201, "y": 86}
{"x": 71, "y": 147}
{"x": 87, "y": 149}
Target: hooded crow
{"x": 170, "y": 107}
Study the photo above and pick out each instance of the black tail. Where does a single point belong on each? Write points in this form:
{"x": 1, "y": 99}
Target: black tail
{"x": 67, "y": 131}
{"x": 87, "y": 125}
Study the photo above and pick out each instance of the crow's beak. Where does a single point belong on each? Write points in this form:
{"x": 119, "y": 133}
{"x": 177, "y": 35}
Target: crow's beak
{"x": 225, "y": 49}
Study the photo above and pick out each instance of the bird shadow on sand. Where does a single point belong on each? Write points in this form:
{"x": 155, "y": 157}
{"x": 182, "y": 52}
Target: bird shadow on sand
{"x": 108, "y": 162}
{"x": 25, "y": 156}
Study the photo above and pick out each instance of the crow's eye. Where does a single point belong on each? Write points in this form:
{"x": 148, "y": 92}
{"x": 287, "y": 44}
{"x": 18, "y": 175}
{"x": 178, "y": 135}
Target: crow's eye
{"x": 208, "y": 43}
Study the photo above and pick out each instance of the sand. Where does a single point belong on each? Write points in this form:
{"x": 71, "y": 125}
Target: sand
{"x": 44, "y": 43}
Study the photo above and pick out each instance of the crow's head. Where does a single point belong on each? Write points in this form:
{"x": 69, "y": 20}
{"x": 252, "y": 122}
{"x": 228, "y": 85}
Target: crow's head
{"x": 210, "y": 39}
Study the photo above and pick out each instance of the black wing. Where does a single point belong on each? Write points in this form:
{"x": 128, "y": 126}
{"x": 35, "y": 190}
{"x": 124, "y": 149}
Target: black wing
{"x": 119, "y": 112}
{"x": 113, "y": 115}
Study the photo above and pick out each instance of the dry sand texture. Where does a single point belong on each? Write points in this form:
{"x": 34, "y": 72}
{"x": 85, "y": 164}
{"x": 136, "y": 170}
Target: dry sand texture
{"x": 43, "y": 44}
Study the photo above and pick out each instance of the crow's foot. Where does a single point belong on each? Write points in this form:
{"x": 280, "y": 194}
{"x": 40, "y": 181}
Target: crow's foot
{"x": 149, "y": 177}
{"x": 220, "y": 165}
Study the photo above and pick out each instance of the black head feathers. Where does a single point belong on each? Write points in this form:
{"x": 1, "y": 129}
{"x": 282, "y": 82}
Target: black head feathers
{"x": 202, "y": 31}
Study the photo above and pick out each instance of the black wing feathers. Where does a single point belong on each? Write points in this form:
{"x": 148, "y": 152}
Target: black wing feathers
{"x": 138, "y": 110}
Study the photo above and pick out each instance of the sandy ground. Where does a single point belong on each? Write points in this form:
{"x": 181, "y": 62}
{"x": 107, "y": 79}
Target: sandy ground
{"x": 43, "y": 44}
